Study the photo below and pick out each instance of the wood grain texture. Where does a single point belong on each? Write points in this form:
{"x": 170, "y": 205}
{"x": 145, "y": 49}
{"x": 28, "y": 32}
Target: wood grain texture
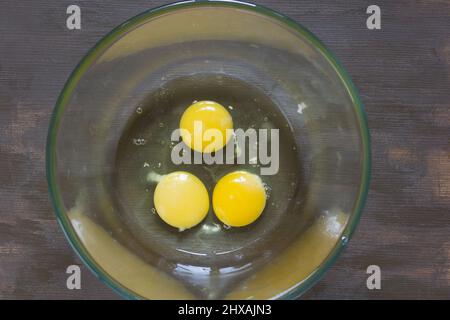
{"x": 402, "y": 72}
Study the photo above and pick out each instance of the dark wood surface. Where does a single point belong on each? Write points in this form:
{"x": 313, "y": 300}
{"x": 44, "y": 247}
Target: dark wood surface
{"x": 402, "y": 72}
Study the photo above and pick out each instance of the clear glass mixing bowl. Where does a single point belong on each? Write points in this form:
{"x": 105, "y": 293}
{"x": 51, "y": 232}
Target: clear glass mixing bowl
{"x": 110, "y": 132}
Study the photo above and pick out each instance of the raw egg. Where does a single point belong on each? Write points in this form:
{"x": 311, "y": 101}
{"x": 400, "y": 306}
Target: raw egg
{"x": 181, "y": 200}
{"x": 239, "y": 198}
{"x": 204, "y": 126}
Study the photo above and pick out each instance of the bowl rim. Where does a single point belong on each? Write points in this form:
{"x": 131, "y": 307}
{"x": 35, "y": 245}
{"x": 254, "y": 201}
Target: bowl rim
{"x": 92, "y": 55}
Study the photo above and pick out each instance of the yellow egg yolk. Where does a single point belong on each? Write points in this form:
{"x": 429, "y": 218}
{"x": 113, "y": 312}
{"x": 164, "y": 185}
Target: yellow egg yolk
{"x": 239, "y": 198}
{"x": 181, "y": 200}
{"x": 204, "y": 126}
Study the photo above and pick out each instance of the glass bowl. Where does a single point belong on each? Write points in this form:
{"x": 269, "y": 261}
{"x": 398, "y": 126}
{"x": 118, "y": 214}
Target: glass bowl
{"x": 110, "y": 136}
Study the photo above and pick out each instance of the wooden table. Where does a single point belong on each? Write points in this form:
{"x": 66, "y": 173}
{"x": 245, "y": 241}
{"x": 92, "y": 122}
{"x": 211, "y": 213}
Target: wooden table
{"x": 402, "y": 72}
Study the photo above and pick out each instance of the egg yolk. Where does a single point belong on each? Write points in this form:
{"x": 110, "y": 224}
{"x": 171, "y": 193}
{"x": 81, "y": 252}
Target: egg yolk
{"x": 204, "y": 126}
{"x": 239, "y": 198}
{"x": 181, "y": 200}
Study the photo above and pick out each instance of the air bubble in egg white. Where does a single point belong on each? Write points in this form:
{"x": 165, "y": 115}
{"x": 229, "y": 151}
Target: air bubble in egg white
{"x": 139, "y": 141}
